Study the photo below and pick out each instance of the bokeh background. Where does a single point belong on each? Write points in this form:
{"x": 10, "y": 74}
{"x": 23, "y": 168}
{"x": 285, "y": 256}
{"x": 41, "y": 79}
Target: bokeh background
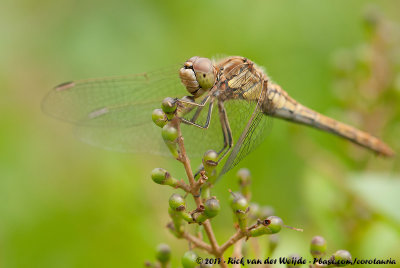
{"x": 66, "y": 204}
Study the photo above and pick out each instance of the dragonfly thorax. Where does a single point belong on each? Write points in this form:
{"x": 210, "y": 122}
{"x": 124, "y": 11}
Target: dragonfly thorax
{"x": 198, "y": 75}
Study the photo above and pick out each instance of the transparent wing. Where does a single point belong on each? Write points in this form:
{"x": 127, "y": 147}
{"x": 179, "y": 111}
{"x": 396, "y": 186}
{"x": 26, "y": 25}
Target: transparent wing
{"x": 113, "y": 101}
{"x": 115, "y": 112}
{"x": 147, "y": 138}
{"x": 144, "y": 138}
{"x": 255, "y": 124}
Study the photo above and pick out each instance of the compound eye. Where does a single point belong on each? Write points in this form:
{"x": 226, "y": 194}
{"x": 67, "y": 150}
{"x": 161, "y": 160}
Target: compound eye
{"x": 204, "y": 71}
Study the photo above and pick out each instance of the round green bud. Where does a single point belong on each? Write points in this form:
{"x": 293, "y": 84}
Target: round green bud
{"x": 293, "y": 261}
{"x": 210, "y": 161}
{"x": 159, "y": 117}
{"x": 341, "y": 258}
{"x": 168, "y": 105}
{"x": 169, "y": 133}
{"x": 163, "y": 177}
{"x": 244, "y": 176}
{"x": 318, "y": 246}
{"x": 271, "y": 225}
{"x": 211, "y": 207}
{"x": 210, "y": 158}
{"x": 239, "y": 203}
{"x": 189, "y": 259}
{"x": 159, "y": 175}
{"x": 163, "y": 254}
{"x": 275, "y": 224}
{"x": 177, "y": 202}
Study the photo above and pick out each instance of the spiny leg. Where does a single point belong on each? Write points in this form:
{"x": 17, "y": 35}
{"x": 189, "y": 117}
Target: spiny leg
{"x": 208, "y": 120}
{"x": 200, "y": 108}
{"x": 226, "y": 131}
{"x": 202, "y": 104}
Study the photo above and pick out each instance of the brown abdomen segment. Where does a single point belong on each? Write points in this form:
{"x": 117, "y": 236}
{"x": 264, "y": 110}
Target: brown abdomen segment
{"x": 283, "y": 106}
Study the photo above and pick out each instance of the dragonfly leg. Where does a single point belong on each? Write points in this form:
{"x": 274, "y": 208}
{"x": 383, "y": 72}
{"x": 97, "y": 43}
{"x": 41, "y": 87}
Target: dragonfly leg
{"x": 227, "y": 135}
{"x": 226, "y": 131}
{"x": 200, "y": 108}
{"x": 207, "y": 123}
{"x": 202, "y": 104}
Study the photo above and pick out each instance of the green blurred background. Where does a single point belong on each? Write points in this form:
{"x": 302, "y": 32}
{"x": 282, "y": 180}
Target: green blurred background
{"x": 65, "y": 204}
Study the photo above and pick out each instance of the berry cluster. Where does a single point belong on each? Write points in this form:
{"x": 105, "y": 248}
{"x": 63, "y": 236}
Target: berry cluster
{"x": 251, "y": 219}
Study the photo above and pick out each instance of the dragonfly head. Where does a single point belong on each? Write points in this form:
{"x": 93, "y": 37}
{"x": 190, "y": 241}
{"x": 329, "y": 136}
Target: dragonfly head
{"x": 198, "y": 75}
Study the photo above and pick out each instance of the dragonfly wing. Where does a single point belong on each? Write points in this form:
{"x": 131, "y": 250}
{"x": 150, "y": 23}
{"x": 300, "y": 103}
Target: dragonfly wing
{"x": 252, "y": 136}
{"x": 144, "y": 138}
{"x": 115, "y": 112}
{"x": 122, "y": 101}
{"x": 147, "y": 137}
{"x": 199, "y": 140}
{"x": 254, "y": 124}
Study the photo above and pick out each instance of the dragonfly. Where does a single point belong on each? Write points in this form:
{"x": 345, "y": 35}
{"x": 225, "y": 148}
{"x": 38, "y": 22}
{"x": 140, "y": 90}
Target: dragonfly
{"x": 228, "y": 109}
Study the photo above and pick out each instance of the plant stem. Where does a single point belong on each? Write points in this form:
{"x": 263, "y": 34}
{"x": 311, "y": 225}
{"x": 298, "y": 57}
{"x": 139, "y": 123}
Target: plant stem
{"x": 182, "y": 185}
{"x": 237, "y": 252}
{"x": 198, "y": 242}
{"x": 236, "y": 237}
{"x": 185, "y": 161}
{"x": 196, "y": 195}
{"x": 211, "y": 236}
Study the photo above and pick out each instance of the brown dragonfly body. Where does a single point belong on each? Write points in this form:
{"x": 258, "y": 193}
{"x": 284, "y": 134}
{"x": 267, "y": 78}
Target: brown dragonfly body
{"x": 240, "y": 78}
{"x": 114, "y": 112}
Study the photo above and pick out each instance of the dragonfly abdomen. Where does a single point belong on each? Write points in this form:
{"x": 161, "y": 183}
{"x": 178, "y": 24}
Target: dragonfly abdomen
{"x": 280, "y": 104}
